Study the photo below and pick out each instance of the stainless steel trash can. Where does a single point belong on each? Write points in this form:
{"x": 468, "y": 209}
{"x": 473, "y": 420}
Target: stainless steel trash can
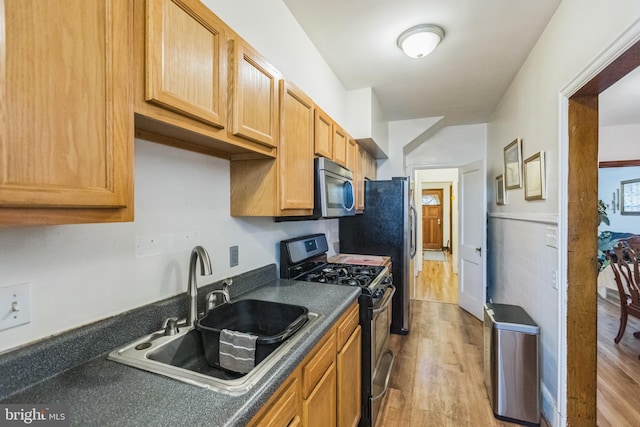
{"x": 511, "y": 367}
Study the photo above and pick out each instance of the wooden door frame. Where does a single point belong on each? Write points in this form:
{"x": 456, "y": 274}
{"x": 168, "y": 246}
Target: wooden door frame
{"x": 582, "y": 228}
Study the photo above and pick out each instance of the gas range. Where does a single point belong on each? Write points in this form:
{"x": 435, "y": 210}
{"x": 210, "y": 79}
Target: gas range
{"x": 368, "y": 277}
{"x": 304, "y": 258}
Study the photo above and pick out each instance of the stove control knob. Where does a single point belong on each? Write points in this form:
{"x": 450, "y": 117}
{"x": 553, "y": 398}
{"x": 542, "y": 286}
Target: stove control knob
{"x": 386, "y": 280}
{"x": 378, "y": 293}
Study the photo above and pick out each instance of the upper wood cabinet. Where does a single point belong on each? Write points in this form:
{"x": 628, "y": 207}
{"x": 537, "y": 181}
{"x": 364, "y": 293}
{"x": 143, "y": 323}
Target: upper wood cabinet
{"x": 66, "y": 141}
{"x": 198, "y": 85}
{"x": 323, "y": 134}
{"x": 352, "y": 165}
{"x": 295, "y": 154}
{"x": 284, "y": 186}
{"x": 185, "y": 55}
{"x": 361, "y": 166}
{"x": 254, "y": 90}
{"x": 339, "y": 145}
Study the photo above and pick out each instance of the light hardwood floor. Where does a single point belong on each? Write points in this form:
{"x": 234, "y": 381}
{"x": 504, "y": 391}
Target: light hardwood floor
{"x": 618, "y": 369}
{"x": 437, "y": 379}
{"x": 438, "y": 376}
{"x": 437, "y": 282}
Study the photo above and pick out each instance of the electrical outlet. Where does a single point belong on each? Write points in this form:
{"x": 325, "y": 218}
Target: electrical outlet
{"x": 554, "y": 279}
{"x": 233, "y": 256}
{"x": 15, "y": 307}
{"x": 551, "y": 237}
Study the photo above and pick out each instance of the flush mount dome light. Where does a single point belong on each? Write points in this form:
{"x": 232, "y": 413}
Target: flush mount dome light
{"x": 421, "y": 40}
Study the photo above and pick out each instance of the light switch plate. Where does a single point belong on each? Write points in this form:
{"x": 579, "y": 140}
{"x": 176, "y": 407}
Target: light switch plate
{"x": 15, "y": 306}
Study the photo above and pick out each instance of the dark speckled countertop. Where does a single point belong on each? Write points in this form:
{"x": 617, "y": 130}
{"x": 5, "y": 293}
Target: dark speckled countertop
{"x": 106, "y": 393}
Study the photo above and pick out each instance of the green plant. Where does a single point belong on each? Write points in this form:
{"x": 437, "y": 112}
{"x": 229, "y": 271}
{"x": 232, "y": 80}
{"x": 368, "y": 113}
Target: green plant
{"x": 602, "y": 213}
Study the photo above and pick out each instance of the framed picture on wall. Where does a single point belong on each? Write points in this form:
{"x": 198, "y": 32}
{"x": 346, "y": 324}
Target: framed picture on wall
{"x": 501, "y": 195}
{"x": 513, "y": 165}
{"x": 630, "y": 197}
{"x": 534, "y": 177}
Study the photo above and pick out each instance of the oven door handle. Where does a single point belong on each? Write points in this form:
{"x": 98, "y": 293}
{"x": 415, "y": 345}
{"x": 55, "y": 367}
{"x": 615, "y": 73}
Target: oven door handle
{"x": 386, "y": 301}
{"x": 386, "y": 380}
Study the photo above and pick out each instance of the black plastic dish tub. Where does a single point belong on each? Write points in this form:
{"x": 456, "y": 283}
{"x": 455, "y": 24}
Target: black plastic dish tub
{"x": 272, "y": 322}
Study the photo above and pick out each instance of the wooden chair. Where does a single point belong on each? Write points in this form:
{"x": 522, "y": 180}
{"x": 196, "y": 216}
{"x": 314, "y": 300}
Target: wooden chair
{"x": 624, "y": 263}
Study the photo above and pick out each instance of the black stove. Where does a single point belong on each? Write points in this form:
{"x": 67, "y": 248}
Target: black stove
{"x": 305, "y": 259}
{"x": 368, "y": 277}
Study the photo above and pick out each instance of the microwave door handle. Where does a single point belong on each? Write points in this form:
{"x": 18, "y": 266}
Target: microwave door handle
{"x": 349, "y": 190}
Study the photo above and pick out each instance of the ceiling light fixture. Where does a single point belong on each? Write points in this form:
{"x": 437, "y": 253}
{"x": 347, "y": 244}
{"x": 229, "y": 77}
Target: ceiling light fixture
{"x": 421, "y": 40}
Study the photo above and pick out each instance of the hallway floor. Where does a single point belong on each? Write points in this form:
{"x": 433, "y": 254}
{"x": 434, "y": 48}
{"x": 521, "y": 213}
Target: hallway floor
{"x": 437, "y": 379}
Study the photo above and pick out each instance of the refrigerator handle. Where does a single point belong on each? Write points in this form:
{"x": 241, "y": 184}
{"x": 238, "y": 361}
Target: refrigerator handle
{"x": 414, "y": 234}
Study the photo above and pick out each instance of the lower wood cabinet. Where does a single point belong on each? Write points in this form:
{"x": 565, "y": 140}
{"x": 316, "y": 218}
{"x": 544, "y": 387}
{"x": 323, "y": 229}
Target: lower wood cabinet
{"x": 324, "y": 390}
{"x": 283, "y": 409}
{"x": 349, "y": 376}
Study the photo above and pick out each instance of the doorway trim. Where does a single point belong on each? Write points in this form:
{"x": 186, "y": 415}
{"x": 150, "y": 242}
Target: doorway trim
{"x": 578, "y": 317}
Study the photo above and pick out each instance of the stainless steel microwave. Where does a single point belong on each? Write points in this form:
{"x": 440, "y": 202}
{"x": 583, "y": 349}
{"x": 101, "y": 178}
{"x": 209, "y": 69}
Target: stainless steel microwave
{"x": 334, "y": 190}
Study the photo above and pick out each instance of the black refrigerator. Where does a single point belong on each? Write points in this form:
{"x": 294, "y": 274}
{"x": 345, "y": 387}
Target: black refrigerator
{"x": 387, "y": 227}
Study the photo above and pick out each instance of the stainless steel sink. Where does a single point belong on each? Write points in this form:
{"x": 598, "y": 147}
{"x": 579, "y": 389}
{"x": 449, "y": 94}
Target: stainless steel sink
{"x": 181, "y": 357}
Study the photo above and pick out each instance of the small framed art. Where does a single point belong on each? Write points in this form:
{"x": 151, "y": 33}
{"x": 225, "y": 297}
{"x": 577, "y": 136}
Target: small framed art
{"x": 630, "y": 197}
{"x": 513, "y": 165}
{"x": 501, "y": 195}
{"x": 534, "y": 177}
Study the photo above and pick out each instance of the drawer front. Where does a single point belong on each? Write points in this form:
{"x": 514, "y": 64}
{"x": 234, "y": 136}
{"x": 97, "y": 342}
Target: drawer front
{"x": 347, "y": 324}
{"x": 285, "y": 409}
{"x": 322, "y": 357}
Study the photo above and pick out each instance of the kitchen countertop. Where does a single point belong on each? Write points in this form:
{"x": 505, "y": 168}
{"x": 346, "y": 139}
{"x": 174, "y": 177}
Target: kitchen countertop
{"x": 106, "y": 393}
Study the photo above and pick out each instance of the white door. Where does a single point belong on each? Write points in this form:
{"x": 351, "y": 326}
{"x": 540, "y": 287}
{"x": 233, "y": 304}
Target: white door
{"x": 472, "y": 214}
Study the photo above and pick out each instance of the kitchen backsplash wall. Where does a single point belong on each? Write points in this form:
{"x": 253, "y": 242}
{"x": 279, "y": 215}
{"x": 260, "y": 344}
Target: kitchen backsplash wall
{"x": 82, "y": 273}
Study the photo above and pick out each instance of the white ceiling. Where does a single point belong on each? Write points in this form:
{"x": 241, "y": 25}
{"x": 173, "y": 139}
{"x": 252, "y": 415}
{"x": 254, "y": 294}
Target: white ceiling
{"x": 485, "y": 44}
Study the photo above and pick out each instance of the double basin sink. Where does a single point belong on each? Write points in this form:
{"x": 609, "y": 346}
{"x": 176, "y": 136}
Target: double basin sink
{"x": 186, "y": 355}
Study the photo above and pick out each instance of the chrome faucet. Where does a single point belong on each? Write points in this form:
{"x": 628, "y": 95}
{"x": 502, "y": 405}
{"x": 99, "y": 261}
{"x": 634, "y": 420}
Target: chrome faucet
{"x": 192, "y": 287}
{"x": 218, "y": 296}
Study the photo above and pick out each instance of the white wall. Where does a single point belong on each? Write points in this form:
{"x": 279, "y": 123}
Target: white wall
{"x": 82, "y": 273}
{"x": 608, "y": 183}
{"x": 269, "y": 27}
{"x": 523, "y": 266}
{"x": 618, "y": 143}
{"x": 452, "y": 146}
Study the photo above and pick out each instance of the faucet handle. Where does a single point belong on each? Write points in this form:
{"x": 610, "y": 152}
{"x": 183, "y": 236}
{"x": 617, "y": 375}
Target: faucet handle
{"x": 227, "y": 282}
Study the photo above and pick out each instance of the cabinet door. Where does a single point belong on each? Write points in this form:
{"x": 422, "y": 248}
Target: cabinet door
{"x": 352, "y": 164}
{"x": 254, "y": 88}
{"x": 185, "y": 57}
{"x": 339, "y": 145}
{"x": 295, "y": 153}
{"x": 362, "y": 172}
{"x": 319, "y": 409}
{"x": 323, "y": 134}
{"x": 66, "y": 139}
{"x": 349, "y": 378}
{"x": 282, "y": 410}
